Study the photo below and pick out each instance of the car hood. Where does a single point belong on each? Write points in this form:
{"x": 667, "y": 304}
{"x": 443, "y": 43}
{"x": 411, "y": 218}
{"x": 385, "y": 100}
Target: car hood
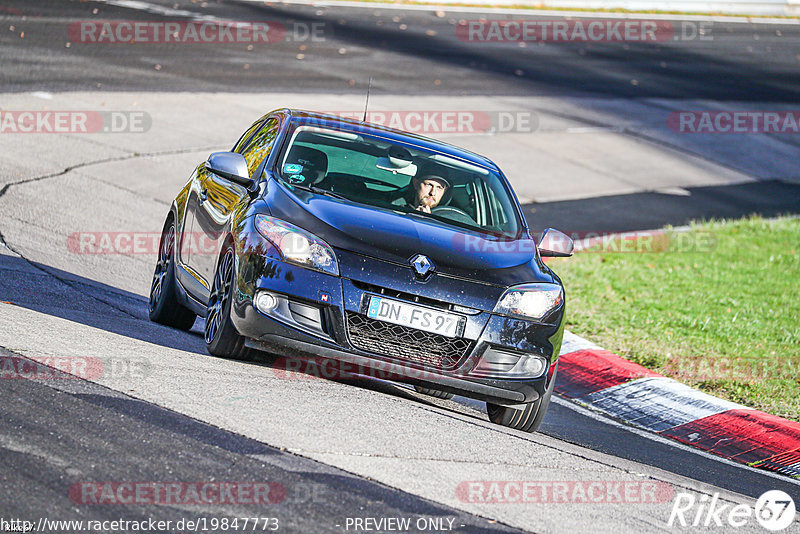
{"x": 396, "y": 238}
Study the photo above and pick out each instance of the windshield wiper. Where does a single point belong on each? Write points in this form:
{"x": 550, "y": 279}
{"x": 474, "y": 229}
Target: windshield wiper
{"x": 320, "y": 191}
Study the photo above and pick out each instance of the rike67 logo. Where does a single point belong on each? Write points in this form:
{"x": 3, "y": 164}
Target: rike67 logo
{"x": 774, "y": 510}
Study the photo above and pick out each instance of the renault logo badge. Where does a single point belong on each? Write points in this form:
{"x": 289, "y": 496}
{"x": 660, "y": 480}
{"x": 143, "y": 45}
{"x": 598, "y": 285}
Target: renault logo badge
{"x": 422, "y": 265}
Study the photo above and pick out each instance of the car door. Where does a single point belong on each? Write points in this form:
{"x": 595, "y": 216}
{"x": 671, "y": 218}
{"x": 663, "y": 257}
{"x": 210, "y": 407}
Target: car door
{"x": 192, "y": 241}
{"x": 219, "y": 197}
{"x": 188, "y": 244}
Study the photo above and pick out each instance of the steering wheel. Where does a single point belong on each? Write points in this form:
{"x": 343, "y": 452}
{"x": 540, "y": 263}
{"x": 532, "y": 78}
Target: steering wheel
{"x": 452, "y": 212}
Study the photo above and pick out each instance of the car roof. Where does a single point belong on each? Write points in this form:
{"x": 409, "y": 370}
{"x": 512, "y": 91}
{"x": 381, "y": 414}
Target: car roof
{"x": 336, "y": 121}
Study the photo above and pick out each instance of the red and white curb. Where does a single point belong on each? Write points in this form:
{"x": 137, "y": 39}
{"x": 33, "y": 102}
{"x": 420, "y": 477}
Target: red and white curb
{"x": 626, "y": 391}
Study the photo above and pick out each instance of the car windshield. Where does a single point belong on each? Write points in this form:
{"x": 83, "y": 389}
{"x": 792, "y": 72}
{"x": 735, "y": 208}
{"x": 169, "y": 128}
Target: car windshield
{"x": 376, "y": 172}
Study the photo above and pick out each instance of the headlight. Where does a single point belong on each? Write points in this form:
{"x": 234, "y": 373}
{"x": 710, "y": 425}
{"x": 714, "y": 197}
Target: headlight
{"x": 298, "y": 246}
{"x": 530, "y": 301}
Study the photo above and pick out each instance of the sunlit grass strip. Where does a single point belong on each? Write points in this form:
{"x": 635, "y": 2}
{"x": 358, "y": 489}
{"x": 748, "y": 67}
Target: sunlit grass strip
{"x": 716, "y": 306}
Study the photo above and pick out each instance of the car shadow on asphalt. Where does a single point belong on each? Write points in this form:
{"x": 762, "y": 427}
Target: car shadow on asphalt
{"x": 46, "y": 289}
{"x": 310, "y": 367}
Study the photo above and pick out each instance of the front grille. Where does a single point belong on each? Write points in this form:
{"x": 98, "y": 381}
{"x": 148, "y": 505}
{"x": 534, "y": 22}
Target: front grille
{"x": 402, "y": 342}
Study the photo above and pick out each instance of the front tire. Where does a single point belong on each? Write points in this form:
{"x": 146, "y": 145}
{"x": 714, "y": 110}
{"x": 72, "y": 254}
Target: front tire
{"x": 164, "y": 307}
{"x": 221, "y": 336}
{"x": 528, "y": 419}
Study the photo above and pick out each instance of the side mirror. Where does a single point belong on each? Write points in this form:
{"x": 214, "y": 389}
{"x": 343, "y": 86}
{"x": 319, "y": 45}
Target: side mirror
{"x": 232, "y": 167}
{"x": 555, "y": 244}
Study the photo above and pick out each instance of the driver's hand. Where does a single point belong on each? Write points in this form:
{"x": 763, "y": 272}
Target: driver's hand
{"x": 424, "y": 208}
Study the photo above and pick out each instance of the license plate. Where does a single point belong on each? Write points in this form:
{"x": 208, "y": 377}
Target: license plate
{"x": 426, "y": 319}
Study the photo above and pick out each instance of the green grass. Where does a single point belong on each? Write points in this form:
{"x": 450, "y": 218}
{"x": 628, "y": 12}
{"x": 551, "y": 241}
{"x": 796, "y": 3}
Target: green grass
{"x": 717, "y": 308}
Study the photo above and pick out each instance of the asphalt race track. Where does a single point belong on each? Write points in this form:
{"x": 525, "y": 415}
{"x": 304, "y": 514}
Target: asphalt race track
{"x": 599, "y": 156}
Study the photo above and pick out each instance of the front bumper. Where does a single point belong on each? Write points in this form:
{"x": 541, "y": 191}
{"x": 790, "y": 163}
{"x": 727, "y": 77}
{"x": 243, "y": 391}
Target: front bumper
{"x": 316, "y": 313}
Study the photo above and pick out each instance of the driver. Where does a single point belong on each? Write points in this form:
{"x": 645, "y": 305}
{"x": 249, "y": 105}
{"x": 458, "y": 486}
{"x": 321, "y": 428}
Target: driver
{"x": 428, "y": 192}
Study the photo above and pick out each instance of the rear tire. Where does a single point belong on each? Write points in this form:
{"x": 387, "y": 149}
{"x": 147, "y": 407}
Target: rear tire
{"x": 528, "y": 419}
{"x": 220, "y": 334}
{"x": 164, "y": 307}
{"x": 434, "y": 393}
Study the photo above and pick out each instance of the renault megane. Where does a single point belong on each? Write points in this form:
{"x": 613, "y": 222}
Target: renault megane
{"x": 323, "y": 237}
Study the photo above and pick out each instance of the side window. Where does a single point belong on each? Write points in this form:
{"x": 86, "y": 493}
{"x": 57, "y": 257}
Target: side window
{"x": 260, "y": 145}
{"x": 242, "y": 142}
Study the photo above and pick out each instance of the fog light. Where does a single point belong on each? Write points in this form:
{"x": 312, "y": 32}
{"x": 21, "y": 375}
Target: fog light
{"x": 531, "y": 365}
{"x": 497, "y": 363}
{"x": 265, "y": 302}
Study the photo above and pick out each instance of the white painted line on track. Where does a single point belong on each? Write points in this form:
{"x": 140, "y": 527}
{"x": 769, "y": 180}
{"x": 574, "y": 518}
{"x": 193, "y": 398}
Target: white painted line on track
{"x": 743, "y": 19}
{"x": 161, "y": 10}
{"x": 152, "y": 8}
{"x": 594, "y": 129}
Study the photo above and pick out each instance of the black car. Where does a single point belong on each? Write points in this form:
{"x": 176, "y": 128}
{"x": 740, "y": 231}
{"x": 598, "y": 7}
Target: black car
{"x": 321, "y": 237}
